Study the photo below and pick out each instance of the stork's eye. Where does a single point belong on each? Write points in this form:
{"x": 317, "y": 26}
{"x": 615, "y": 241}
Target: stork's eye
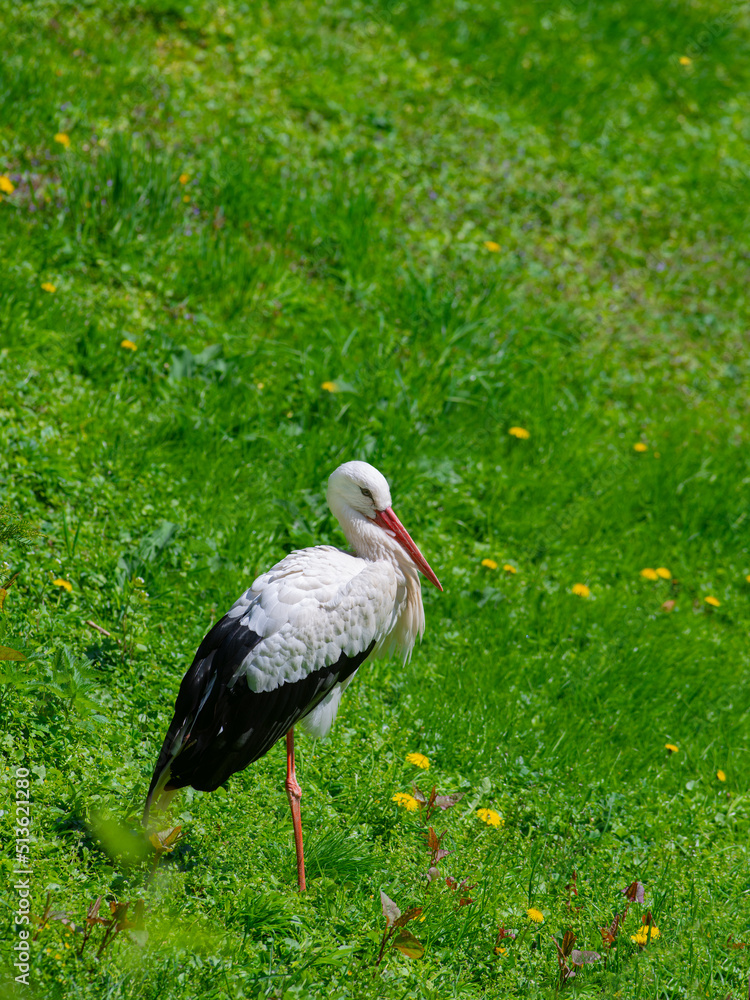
{"x": 365, "y": 493}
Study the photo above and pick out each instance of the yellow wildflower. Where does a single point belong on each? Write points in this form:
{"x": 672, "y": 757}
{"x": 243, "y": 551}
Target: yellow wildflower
{"x": 63, "y": 139}
{"x": 686, "y": 61}
{"x": 492, "y": 246}
{"x": 6, "y": 185}
{"x": 184, "y": 178}
{"x": 671, "y": 747}
{"x": 713, "y": 601}
{"x": 186, "y": 198}
{"x": 407, "y": 801}
{"x": 580, "y": 590}
{"x": 641, "y": 936}
{"x": 663, "y": 572}
{"x": 748, "y": 577}
{"x": 520, "y": 432}
{"x": 640, "y": 446}
{"x": 649, "y": 574}
{"x": 128, "y": 345}
{"x": 328, "y": 386}
{"x": 536, "y": 915}
{"x": 63, "y": 583}
{"x": 509, "y": 569}
{"x": 490, "y": 817}
{"x": 47, "y": 286}
{"x": 721, "y": 776}
{"x": 418, "y": 760}
{"x": 489, "y": 563}
{"x": 501, "y": 951}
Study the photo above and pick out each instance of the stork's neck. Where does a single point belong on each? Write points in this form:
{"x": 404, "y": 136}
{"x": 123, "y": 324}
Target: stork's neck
{"x": 370, "y": 541}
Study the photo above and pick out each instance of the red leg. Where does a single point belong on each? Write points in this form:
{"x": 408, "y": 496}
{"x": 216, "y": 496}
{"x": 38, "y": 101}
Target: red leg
{"x": 294, "y": 793}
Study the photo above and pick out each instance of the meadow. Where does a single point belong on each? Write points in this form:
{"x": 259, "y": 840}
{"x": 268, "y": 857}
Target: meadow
{"x": 499, "y": 250}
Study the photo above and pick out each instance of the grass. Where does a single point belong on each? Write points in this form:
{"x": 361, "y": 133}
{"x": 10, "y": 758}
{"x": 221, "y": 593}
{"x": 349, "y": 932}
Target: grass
{"x": 262, "y": 199}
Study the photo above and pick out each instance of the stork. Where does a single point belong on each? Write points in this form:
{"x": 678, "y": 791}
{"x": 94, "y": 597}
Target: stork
{"x": 291, "y": 644}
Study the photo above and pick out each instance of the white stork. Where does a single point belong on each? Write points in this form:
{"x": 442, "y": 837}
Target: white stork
{"x": 292, "y": 643}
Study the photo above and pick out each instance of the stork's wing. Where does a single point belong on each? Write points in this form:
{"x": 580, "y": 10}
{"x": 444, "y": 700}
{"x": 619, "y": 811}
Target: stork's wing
{"x": 302, "y": 628}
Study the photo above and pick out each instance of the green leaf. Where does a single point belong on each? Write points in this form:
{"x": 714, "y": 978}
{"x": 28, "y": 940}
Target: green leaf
{"x": 408, "y": 945}
{"x": 6, "y": 653}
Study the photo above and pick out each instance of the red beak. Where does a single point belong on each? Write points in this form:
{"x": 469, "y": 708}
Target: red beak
{"x": 387, "y": 520}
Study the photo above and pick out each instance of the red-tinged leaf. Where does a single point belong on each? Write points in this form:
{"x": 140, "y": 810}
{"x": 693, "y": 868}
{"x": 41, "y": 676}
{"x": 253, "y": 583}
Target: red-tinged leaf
{"x": 451, "y": 882}
{"x": 736, "y": 944}
{"x": 446, "y": 801}
{"x": 668, "y": 606}
{"x": 410, "y": 914}
{"x": 10, "y": 654}
{"x": 582, "y": 957}
{"x": 634, "y": 892}
{"x": 568, "y": 942}
{"x": 608, "y": 937}
{"x": 390, "y": 911}
{"x": 503, "y": 932}
{"x": 465, "y": 901}
{"x": 433, "y": 873}
{"x": 439, "y": 855}
{"x": 408, "y": 945}
{"x": 419, "y": 795}
{"x": 433, "y": 841}
{"x": 431, "y": 801}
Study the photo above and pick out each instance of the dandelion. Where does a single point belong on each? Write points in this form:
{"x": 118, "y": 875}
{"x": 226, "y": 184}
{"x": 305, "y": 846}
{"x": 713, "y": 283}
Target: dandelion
{"x": 489, "y": 563}
{"x": 128, "y": 345}
{"x": 408, "y": 802}
{"x": 492, "y": 246}
{"x": 186, "y": 198}
{"x": 501, "y": 951}
{"x": 63, "y": 583}
{"x": 641, "y": 936}
{"x": 6, "y": 185}
{"x": 490, "y": 817}
{"x": 686, "y": 61}
{"x": 328, "y": 386}
{"x": 649, "y": 574}
{"x": 640, "y": 446}
{"x": 519, "y": 432}
{"x": 536, "y": 915}
{"x": 418, "y": 760}
{"x": 713, "y": 601}
{"x": 184, "y": 178}
{"x": 63, "y": 139}
{"x": 748, "y": 577}
{"x": 671, "y": 747}
{"x": 721, "y": 776}
{"x": 47, "y": 286}
{"x": 509, "y": 569}
{"x": 580, "y": 590}
{"x": 663, "y": 572}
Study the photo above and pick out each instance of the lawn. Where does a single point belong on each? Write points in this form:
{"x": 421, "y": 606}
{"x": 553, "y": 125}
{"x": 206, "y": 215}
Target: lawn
{"x": 500, "y": 251}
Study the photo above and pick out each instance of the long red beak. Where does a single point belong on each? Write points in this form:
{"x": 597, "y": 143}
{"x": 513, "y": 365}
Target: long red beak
{"x": 387, "y": 520}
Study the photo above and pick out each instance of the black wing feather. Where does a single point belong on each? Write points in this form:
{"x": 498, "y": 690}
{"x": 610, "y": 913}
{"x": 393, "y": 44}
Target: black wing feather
{"x": 219, "y": 727}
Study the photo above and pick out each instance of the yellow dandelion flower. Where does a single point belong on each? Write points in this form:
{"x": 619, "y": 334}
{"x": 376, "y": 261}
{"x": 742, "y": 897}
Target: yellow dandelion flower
{"x": 641, "y": 936}
{"x": 328, "y": 386}
{"x": 489, "y": 563}
{"x": 671, "y": 747}
{"x": 509, "y": 569}
{"x": 748, "y": 577}
{"x": 519, "y": 432}
{"x": 686, "y": 61}
{"x": 721, "y": 776}
{"x": 713, "y": 601}
{"x": 536, "y": 915}
{"x": 63, "y": 583}
{"x": 640, "y": 446}
{"x": 490, "y": 817}
{"x": 63, "y": 139}
{"x": 492, "y": 246}
{"x": 407, "y": 802}
{"x": 418, "y": 760}
{"x": 663, "y": 572}
{"x": 184, "y": 178}
{"x": 580, "y": 590}
{"x": 128, "y": 345}
{"x": 186, "y": 198}
{"x": 6, "y": 185}
{"x": 649, "y": 574}
{"x": 47, "y": 286}
{"x": 501, "y": 951}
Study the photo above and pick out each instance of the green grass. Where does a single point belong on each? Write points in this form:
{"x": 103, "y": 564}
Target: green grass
{"x": 345, "y": 166}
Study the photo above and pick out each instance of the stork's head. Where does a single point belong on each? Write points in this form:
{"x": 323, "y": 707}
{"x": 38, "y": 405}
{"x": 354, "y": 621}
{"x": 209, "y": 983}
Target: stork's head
{"x": 365, "y": 491}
